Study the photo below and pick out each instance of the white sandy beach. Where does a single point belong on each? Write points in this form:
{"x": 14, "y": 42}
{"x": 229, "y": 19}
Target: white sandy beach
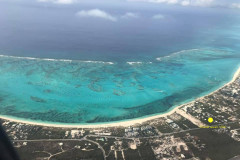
{"x": 114, "y": 124}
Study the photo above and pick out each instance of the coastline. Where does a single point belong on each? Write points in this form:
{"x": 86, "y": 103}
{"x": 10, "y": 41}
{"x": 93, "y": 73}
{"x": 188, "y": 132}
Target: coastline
{"x": 125, "y": 123}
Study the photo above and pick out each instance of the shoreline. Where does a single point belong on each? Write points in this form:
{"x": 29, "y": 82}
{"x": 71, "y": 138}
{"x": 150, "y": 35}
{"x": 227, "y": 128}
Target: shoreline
{"x": 125, "y": 123}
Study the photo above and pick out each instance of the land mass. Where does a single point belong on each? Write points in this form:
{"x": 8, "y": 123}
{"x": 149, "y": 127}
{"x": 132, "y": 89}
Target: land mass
{"x": 182, "y": 133}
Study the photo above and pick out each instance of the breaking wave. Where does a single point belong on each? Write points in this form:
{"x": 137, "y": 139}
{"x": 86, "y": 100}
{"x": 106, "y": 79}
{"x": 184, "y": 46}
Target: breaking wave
{"x": 176, "y": 53}
{"x": 56, "y": 60}
{"x": 136, "y": 63}
{"x": 204, "y": 52}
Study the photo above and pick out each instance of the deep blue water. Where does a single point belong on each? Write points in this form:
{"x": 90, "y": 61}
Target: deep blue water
{"x": 87, "y": 70}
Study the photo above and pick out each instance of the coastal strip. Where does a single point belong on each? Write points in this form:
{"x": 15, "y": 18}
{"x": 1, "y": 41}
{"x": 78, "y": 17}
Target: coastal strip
{"x": 119, "y": 123}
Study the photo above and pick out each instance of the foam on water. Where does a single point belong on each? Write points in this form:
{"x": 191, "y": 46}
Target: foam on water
{"x": 204, "y": 52}
{"x": 69, "y": 91}
{"x": 57, "y": 60}
{"x": 138, "y": 63}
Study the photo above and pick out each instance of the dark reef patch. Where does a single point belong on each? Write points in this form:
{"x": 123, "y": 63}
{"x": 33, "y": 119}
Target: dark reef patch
{"x": 79, "y": 117}
{"x": 36, "y": 99}
{"x": 47, "y": 91}
{"x": 153, "y": 107}
{"x": 50, "y": 116}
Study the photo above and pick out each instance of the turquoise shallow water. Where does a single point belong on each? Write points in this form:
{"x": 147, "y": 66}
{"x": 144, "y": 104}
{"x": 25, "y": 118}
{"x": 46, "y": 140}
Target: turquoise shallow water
{"x": 131, "y": 68}
{"x": 95, "y": 91}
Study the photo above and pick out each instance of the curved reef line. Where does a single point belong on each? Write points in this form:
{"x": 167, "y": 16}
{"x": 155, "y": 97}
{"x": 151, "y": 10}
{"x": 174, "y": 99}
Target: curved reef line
{"x": 124, "y": 123}
{"x": 56, "y": 60}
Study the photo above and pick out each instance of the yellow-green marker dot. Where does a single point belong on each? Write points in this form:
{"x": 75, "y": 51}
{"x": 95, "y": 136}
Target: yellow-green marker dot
{"x": 210, "y": 119}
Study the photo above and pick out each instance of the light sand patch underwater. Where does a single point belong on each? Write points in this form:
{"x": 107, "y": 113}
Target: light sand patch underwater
{"x": 68, "y": 91}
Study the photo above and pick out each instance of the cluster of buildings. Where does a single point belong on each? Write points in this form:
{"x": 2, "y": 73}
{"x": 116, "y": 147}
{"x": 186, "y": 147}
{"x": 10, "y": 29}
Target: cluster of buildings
{"x": 222, "y": 105}
{"x": 75, "y": 133}
{"x": 171, "y": 148}
{"x": 235, "y": 134}
{"x": 172, "y": 124}
{"x": 140, "y": 131}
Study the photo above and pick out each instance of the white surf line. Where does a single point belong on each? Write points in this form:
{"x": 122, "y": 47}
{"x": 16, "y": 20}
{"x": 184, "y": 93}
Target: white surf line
{"x": 175, "y": 53}
{"x": 56, "y": 60}
{"x": 138, "y": 63}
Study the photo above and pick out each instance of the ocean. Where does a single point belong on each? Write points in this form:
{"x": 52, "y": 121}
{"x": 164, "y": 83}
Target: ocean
{"x": 58, "y": 67}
